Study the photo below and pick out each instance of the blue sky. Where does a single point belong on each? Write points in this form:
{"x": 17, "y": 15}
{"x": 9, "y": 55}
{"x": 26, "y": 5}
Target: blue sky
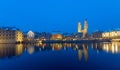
{"x": 63, "y": 15}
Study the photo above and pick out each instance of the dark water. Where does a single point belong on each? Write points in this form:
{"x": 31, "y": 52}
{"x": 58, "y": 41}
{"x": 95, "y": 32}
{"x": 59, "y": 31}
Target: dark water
{"x": 96, "y": 56}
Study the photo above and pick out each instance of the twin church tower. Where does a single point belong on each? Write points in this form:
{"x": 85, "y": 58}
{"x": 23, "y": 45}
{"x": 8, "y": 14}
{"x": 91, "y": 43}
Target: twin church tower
{"x": 85, "y": 30}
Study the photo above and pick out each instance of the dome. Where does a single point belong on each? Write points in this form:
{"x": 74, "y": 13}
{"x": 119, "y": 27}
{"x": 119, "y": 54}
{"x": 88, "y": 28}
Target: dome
{"x": 30, "y": 34}
{"x": 56, "y": 37}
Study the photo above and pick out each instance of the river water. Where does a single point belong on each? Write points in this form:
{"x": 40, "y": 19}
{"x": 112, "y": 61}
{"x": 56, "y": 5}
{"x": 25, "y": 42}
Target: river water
{"x": 60, "y": 56}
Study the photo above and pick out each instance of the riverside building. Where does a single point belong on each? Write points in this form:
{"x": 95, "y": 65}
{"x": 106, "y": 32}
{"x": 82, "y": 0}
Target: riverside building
{"x": 10, "y": 35}
{"x": 111, "y": 34}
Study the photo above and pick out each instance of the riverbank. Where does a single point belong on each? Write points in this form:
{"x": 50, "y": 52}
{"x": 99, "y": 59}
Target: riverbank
{"x": 74, "y": 41}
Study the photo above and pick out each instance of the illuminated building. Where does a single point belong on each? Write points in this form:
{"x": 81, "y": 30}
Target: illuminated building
{"x": 78, "y": 36}
{"x": 44, "y": 35}
{"x": 19, "y": 36}
{"x": 56, "y": 37}
{"x": 10, "y": 35}
{"x": 85, "y": 30}
{"x": 79, "y": 27}
{"x": 111, "y": 34}
{"x": 67, "y": 36}
{"x": 30, "y": 35}
{"x": 97, "y": 34}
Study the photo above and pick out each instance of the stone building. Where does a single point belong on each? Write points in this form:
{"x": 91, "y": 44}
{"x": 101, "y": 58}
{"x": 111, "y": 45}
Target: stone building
{"x": 56, "y": 37}
{"x": 85, "y": 30}
{"x": 97, "y": 35}
{"x": 10, "y": 35}
{"x": 111, "y": 34}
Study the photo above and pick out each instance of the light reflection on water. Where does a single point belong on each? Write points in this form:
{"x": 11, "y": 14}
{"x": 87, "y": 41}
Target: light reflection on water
{"x": 113, "y": 47}
{"x": 9, "y": 50}
{"x": 63, "y": 56}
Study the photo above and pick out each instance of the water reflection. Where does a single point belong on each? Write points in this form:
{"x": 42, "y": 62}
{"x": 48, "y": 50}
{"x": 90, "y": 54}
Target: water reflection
{"x": 81, "y": 50}
{"x": 30, "y": 49}
{"x": 85, "y": 52}
{"x": 112, "y": 47}
{"x": 9, "y": 50}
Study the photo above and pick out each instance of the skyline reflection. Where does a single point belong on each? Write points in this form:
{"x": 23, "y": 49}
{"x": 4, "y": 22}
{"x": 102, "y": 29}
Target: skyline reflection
{"x": 9, "y": 50}
{"x": 82, "y": 50}
{"x": 109, "y": 47}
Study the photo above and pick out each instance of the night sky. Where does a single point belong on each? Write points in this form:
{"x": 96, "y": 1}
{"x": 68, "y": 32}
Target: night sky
{"x": 63, "y": 15}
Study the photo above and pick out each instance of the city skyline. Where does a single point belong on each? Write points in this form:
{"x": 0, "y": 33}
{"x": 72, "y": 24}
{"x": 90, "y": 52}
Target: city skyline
{"x": 79, "y": 28}
{"x": 59, "y": 34}
{"x": 56, "y": 15}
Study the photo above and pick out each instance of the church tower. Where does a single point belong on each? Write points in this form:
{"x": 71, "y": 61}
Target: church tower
{"x": 79, "y": 27}
{"x": 85, "y": 31}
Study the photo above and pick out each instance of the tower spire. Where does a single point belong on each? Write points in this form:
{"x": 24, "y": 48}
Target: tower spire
{"x": 85, "y": 32}
{"x": 79, "y": 27}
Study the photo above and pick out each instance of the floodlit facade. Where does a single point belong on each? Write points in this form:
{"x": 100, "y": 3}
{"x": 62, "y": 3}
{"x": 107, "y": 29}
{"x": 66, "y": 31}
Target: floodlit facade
{"x": 79, "y": 27}
{"x": 85, "y": 30}
{"x": 56, "y": 37}
{"x": 111, "y": 34}
{"x": 19, "y": 36}
{"x": 11, "y": 36}
{"x": 30, "y": 35}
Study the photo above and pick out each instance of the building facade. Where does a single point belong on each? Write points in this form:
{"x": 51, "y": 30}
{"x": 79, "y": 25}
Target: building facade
{"x": 96, "y": 35}
{"x": 45, "y": 35}
{"x": 56, "y": 37}
{"x": 30, "y": 35}
{"x": 10, "y": 36}
{"x": 85, "y": 30}
{"x": 111, "y": 34}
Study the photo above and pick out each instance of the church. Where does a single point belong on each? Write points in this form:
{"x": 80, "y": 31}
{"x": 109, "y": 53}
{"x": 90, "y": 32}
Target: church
{"x": 84, "y": 30}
